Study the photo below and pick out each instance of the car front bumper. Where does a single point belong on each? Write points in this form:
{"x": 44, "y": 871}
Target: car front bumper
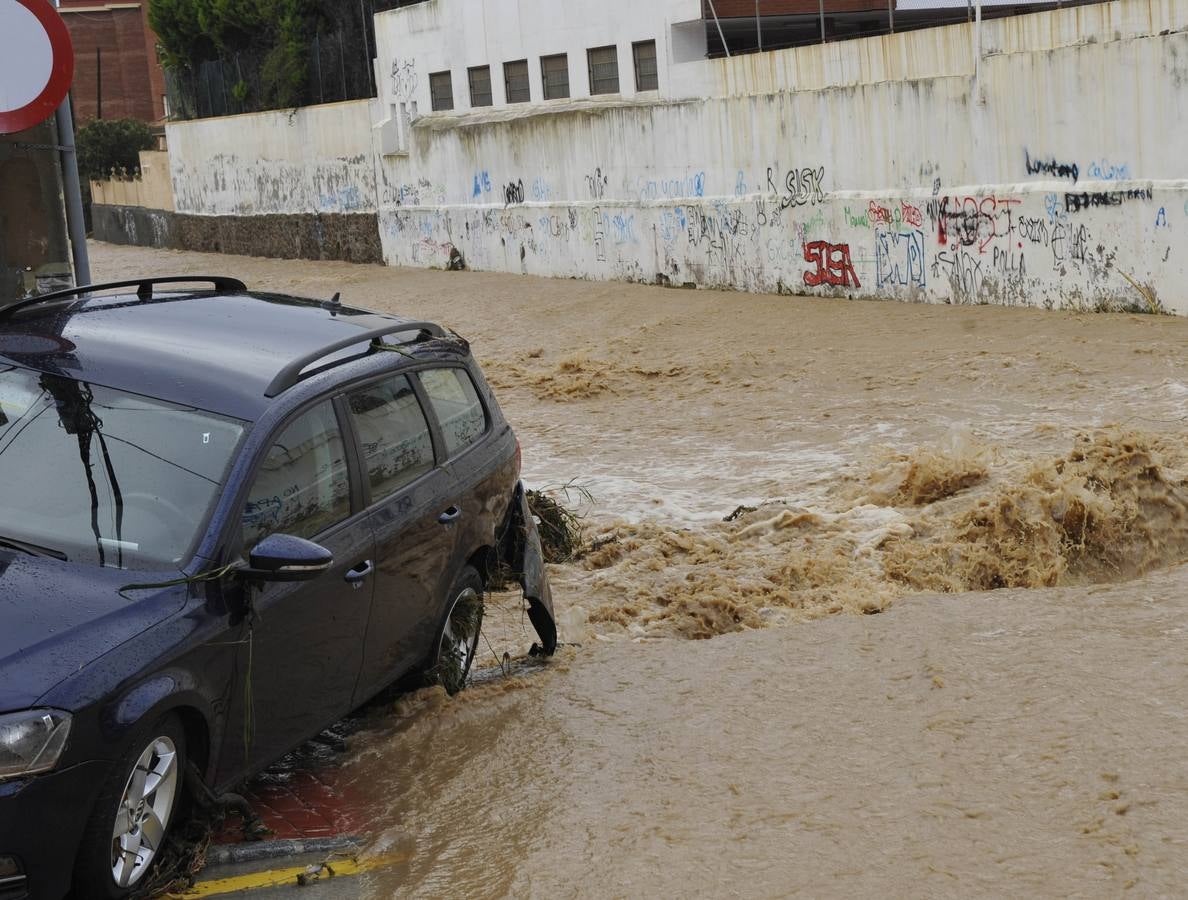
{"x": 41, "y": 823}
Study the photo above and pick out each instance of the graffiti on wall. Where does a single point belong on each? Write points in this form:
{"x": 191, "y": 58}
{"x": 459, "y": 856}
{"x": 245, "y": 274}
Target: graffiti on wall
{"x": 899, "y": 259}
{"x": 797, "y": 187}
{"x": 831, "y": 265}
{"x": 1009, "y": 247}
{"x": 404, "y": 78}
{"x": 1051, "y": 166}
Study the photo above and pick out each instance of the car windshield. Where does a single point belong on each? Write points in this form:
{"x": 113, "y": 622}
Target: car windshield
{"x": 103, "y": 476}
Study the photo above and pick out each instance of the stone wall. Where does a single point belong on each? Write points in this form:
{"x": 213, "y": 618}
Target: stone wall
{"x": 302, "y": 236}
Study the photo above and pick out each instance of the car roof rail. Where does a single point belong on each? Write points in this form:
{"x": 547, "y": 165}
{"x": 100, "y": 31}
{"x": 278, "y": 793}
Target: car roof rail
{"x": 291, "y": 373}
{"x": 144, "y": 289}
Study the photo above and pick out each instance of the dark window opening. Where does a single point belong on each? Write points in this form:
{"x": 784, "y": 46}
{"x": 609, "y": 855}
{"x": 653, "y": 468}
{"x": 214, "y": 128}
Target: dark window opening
{"x": 554, "y": 71}
{"x": 646, "y": 77}
{"x": 480, "y": 85}
{"x": 604, "y": 70}
{"x": 515, "y": 78}
{"x": 441, "y": 90}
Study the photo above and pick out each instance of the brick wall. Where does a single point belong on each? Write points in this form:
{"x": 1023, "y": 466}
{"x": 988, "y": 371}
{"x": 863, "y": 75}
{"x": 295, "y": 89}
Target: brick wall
{"x": 133, "y": 83}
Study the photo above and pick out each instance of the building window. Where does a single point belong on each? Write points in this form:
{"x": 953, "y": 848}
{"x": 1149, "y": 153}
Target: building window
{"x": 515, "y": 79}
{"x": 646, "y": 78}
{"x": 554, "y": 72}
{"x": 604, "y": 70}
{"x": 441, "y": 90}
{"x": 480, "y": 85}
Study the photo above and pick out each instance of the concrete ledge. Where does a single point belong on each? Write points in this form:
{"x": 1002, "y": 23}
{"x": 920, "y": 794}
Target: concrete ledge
{"x": 352, "y": 237}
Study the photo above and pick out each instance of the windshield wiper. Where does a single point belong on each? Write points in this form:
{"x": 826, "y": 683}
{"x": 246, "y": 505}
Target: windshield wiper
{"x": 32, "y": 549}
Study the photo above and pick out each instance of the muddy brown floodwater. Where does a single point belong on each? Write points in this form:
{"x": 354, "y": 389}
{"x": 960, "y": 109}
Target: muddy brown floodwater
{"x": 1008, "y": 488}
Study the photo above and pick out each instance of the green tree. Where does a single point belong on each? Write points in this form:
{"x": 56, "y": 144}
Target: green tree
{"x": 107, "y": 144}
{"x": 183, "y": 38}
{"x": 284, "y": 75}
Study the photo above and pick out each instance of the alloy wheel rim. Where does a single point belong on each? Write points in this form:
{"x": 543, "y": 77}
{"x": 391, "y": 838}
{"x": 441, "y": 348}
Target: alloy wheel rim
{"x": 458, "y": 644}
{"x": 143, "y": 813}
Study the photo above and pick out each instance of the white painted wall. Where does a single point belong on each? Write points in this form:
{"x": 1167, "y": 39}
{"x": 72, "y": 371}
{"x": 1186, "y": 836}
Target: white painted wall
{"x": 314, "y": 159}
{"x": 697, "y": 191}
{"x": 883, "y": 167}
{"x": 440, "y": 35}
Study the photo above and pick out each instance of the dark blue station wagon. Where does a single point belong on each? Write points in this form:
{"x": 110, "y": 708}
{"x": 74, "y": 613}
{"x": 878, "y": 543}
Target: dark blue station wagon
{"x": 227, "y": 518}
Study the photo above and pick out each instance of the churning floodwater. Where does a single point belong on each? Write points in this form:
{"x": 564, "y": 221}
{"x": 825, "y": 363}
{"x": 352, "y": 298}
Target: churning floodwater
{"x": 880, "y": 600}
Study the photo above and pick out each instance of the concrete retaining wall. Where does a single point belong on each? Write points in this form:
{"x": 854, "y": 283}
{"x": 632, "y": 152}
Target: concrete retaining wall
{"x": 1051, "y": 177}
{"x": 317, "y": 159}
{"x": 1048, "y": 170}
{"x": 152, "y": 189}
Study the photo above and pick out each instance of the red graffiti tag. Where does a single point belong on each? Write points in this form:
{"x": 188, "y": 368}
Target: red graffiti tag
{"x": 833, "y": 265}
{"x": 911, "y": 214}
{"x": 879, "y": 215}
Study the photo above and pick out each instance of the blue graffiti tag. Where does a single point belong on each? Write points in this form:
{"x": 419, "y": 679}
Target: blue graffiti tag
{"x": 482, "y": 183}
{"x": 899, "y": 258}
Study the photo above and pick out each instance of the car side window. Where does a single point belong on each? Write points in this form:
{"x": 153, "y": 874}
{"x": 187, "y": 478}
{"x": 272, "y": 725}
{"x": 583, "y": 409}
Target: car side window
{"x": 456, "y": 403}
{"x": 393, "y": 435}
{"x": 303, "y": 486}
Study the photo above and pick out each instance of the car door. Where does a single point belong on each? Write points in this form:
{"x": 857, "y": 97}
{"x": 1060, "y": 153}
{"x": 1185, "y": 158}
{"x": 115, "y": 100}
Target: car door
{"x": 299, "y": 671}
{"x": 414, "y": 521}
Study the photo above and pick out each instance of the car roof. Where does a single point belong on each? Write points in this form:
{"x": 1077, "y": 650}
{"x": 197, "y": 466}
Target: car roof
{"x": 225, "y": 351}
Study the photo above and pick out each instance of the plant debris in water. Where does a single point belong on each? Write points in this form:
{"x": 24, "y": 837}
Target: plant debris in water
{"x": 183, "y": 856}
{"x": 559, "y": 527}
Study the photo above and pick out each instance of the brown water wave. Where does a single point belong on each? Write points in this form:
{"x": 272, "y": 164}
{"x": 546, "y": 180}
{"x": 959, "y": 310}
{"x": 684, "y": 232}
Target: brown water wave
{"x": 942, "y": 518}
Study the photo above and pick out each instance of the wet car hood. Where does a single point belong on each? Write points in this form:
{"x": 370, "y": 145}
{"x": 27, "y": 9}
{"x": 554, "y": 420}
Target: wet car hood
{"x": 55, "y": 618}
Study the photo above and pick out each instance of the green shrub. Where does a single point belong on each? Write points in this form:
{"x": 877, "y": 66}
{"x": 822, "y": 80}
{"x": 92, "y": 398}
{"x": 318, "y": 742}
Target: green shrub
{"x": 107, "y": 144}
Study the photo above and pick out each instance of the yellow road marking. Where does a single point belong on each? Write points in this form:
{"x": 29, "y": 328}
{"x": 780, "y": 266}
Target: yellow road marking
{"x": 286, "y": 876}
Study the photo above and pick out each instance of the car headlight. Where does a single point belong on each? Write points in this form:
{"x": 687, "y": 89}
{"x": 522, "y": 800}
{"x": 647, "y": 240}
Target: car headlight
{"x": 32, "y": 741}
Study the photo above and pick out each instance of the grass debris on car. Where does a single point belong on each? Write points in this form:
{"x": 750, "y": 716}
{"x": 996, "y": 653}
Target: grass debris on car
{"x": 560, "y": 528}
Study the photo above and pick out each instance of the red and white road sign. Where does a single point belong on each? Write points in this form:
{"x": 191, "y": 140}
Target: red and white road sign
{"x": 36, "y": 63}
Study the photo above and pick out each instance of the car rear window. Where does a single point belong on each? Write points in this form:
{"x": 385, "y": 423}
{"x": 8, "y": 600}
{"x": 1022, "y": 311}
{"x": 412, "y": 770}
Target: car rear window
{"x": 393, "y": 435}
{"x": 456, "y": 403}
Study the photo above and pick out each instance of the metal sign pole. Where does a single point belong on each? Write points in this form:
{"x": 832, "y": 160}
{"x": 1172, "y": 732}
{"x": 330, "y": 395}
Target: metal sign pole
{"x": 75, "y": 224}
{"x": 72, "y": 189}
{"x": 758, "y": 26}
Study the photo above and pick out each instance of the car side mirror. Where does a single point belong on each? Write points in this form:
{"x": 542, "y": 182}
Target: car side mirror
{"x": 285, "y": 557}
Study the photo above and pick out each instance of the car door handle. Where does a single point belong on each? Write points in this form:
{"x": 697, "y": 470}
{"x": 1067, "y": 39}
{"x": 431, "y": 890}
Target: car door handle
{"x": 450, "y": 515}
{"x": 356, "y": 575}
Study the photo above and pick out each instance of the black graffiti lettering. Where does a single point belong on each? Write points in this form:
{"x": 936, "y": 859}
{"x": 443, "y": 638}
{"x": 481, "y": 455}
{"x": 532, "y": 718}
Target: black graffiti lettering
{"x": 513, "y": 192}
{"x": 1051, "y": 167}
{"x": 1088, "y": 200}
{"x": 596, "y": 184}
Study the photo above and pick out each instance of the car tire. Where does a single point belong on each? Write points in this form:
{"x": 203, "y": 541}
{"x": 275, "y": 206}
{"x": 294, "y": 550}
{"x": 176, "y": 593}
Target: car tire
{"x": 133, "y": 813}
{"x": 458, "y": 638}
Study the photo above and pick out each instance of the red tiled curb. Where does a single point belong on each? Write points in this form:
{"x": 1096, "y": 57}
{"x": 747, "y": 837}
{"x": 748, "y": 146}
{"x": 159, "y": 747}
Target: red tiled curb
{"x": 301, "y": 805}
